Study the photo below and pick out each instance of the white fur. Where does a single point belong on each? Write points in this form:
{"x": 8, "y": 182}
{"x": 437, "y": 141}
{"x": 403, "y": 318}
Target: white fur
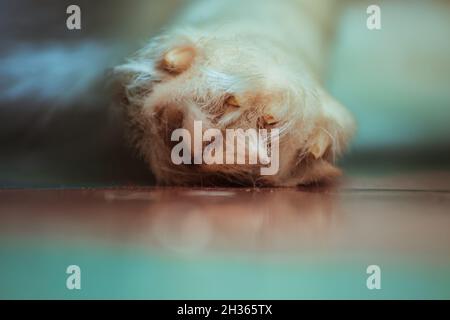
{"x": 271, "y": 56}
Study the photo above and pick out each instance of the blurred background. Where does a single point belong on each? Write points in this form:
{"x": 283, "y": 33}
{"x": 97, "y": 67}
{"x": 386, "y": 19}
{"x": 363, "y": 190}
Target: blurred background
{"x": 56, "y": 126}
{"x": 57, "y": 131}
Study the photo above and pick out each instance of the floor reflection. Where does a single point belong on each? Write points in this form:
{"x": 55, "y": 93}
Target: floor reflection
{"x": 189, "y": 221}
{"x": 174, "y": 219}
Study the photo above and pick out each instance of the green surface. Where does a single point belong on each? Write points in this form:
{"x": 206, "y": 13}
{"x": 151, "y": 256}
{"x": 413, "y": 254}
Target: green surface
{"x": 38, "y": 271}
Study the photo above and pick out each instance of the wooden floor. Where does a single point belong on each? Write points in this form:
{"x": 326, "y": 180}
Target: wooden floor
{"x": 405, "y": 213}
{"x": 183, "y": 243}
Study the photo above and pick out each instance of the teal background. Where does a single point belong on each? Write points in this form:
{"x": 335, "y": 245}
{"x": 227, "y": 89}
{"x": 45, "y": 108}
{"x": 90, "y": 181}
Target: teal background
{"x": 38, "y": 272}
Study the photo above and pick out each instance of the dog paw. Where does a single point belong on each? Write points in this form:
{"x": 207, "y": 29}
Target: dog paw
{"x": 179, "y": 80}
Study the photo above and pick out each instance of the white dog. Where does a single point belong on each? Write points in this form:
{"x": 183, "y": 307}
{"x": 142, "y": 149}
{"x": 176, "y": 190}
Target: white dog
{"x": 239, "y": 64}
